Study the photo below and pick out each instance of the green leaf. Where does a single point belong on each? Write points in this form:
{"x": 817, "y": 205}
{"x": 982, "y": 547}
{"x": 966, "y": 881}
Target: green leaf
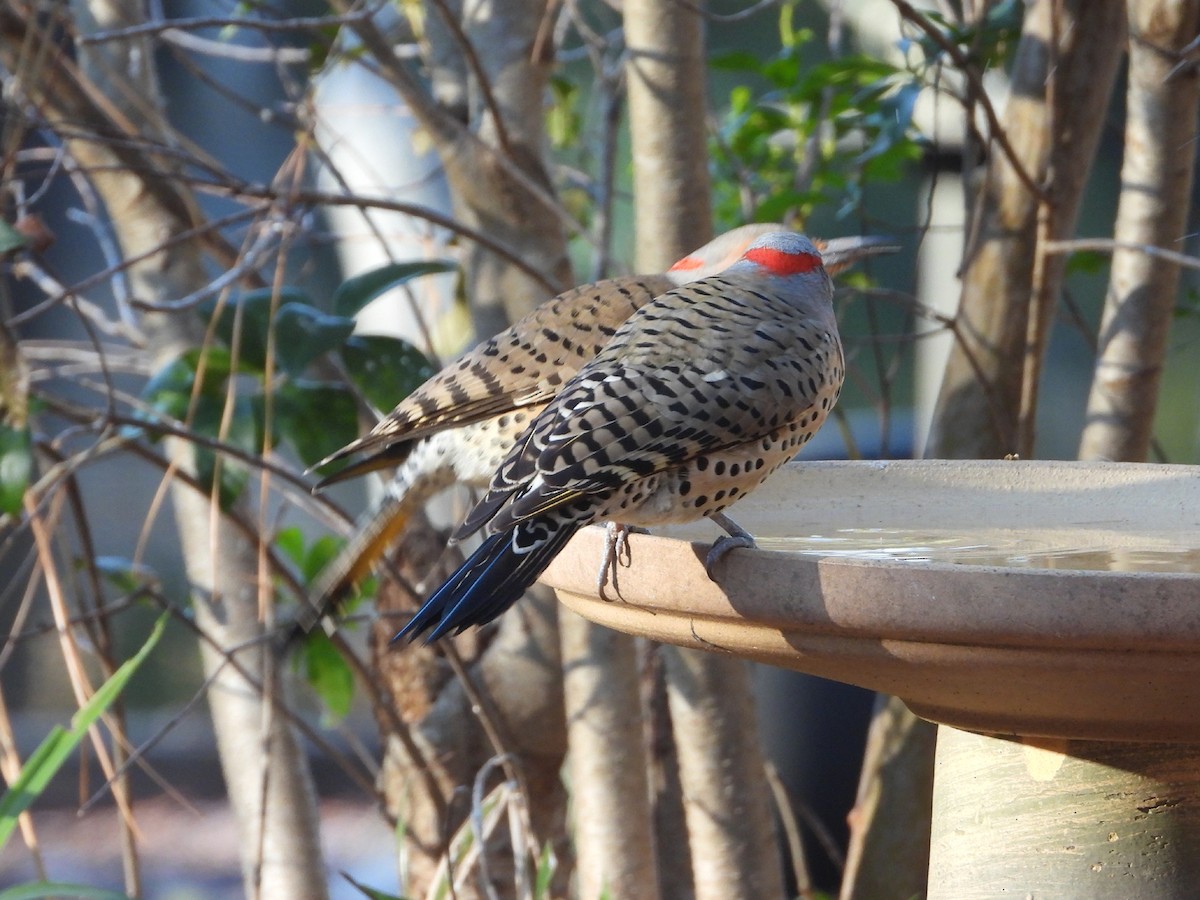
{"x": 16, "y": 466}
{"x": 547, "y": 866}
{"x": 385, "y": 369}
{"x": 320, "y": 553}
{"x": 303, "y": 332}
{"x": 789, "y": 35}
{"x": 290, "y": 542}
{"x": 782, "y": 72}
{"x": 124, "y": 574}
{"x": 10, "y": 238}
{"x": 244, "y": 433}
{"x": 309, "y": 559}
{"x": 736, "y": 61}
{"x": 35, "y": 890}
{"x": 1087, "y": 262}
{"x": 328, "y": 674}
{"x": 256, "y": 307}
{"x": 169, "y": 390}
{"x": 315, "y": 418}
{"x": 777, "y": 207}
{"x": 370, "y": 892}
{"x": 44, "y": 763}
{"x": 563, "y": 121}
{"x": 355, "y": 293}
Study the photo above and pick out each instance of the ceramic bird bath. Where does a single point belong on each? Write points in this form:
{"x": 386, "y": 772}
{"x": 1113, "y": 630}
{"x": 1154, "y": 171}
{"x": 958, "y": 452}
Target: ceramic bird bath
{"x": 1056, "y": 602}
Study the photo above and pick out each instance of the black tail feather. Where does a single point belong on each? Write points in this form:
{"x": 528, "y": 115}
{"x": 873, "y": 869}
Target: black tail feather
{"x": 489, "y": 582}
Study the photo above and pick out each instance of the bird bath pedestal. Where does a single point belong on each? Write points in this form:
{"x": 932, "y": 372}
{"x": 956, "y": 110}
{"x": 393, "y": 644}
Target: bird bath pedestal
{"x": 1045, "y": 614}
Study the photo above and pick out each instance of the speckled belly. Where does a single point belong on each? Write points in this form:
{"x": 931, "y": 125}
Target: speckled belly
{"x": 469, "y": 454}
{"x": 710, "y": 482}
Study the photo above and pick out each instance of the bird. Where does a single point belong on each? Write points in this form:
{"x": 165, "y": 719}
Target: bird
{"x": 460, "y": 424}
{"x": 698, "y": 398}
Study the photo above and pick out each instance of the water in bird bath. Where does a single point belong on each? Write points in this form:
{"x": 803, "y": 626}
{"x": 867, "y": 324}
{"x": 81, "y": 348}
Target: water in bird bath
{"x": 1084, "y": 550}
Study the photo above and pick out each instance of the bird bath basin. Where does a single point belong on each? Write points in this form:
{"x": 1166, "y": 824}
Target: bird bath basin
{"x": 1056, "y": 599}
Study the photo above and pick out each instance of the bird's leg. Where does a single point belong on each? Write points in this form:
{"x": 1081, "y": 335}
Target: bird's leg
{"x": 737, "y": 537}
{"x": 616, "y": 542}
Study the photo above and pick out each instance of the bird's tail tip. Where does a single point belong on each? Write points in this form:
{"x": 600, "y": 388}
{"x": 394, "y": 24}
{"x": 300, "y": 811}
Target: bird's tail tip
{"x": 491, "y": 580}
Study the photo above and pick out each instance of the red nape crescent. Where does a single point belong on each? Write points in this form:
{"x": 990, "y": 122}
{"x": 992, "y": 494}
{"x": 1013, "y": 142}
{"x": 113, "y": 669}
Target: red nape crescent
{"x": 686, "y": 264}
{"x": 779, "y": 262}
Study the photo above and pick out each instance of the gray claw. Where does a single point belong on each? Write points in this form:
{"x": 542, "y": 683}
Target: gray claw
{"x": 616, "y": 546}
{"x": 723, "y": 545}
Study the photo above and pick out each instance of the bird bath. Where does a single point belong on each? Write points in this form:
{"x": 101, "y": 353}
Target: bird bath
{"x": 1056, "y": 603}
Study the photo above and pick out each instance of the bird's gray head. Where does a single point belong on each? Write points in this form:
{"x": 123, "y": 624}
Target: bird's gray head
{"x": 782, "y": 253}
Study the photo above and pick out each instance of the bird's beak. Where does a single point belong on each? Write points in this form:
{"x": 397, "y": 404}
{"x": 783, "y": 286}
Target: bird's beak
{"x": 843, "y": 252}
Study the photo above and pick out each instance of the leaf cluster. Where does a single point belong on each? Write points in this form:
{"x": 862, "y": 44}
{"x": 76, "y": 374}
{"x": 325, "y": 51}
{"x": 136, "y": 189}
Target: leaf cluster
{"x": 257, "y": 375}
{"x": 814, "y": 134}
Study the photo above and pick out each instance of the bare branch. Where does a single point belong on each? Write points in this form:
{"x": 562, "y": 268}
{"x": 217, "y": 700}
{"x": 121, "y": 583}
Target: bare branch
{"x": 1110, "y": 245}
{"x": 481, "y": 79}
{"x": 314, "y": 25}
{"x": 970, "y": 72}
{"x": 317, "y": 198}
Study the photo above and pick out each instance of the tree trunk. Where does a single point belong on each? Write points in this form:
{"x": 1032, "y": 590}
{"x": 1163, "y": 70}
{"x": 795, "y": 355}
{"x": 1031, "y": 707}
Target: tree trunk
{"x": 1156, "y": 194}
{"x": 499, "y": 186}
{"x": 888, "y": 858}
{"x": 725, "y": 797}
{"x": 666, "y": 78}
{"x": 1062, "y": 79}
{"x": 610, "y": 794}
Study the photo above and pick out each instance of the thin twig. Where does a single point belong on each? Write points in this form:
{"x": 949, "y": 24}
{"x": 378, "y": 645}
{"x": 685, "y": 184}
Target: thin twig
{"x": 31, "y": 271}
{"x": 324, "y": 198}
{"x": 288, "y": 56}
{"x": 726, "y": 18}
{"x": 477, "y": 824}
{"x": 791, "y": 830}
{"x": 1107, "y": 245}
{"x": 81, "y": 684}
{"x": 177, "y": 239}
{"x": 248, "y": 260}
{"x": 312, "y": 24}
{"x": 454, "y": 27}
{"x": 969, "y": 72}
{"x": 448, "y": 132}
{"x": 10, "y": 768}
{"x": 229, "y": 655}
{"x": 384, "y": 704}
{"x": 611, "y": 89}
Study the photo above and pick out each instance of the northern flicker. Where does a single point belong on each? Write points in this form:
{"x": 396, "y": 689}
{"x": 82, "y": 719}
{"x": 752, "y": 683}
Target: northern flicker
{"x": 460, "y": 425}
{"x": 699, "y": 396}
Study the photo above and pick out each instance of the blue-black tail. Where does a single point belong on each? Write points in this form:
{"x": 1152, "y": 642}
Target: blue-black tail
{"x": 491, "y": 580}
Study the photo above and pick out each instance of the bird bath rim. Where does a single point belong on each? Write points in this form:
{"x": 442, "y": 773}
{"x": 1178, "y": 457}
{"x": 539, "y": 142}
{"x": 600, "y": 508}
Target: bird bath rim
{"x": 1060, "y": 653}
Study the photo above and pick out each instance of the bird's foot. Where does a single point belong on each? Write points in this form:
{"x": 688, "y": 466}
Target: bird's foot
{"x": 616, "y": 546}
{"x": 737, "y": 537}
